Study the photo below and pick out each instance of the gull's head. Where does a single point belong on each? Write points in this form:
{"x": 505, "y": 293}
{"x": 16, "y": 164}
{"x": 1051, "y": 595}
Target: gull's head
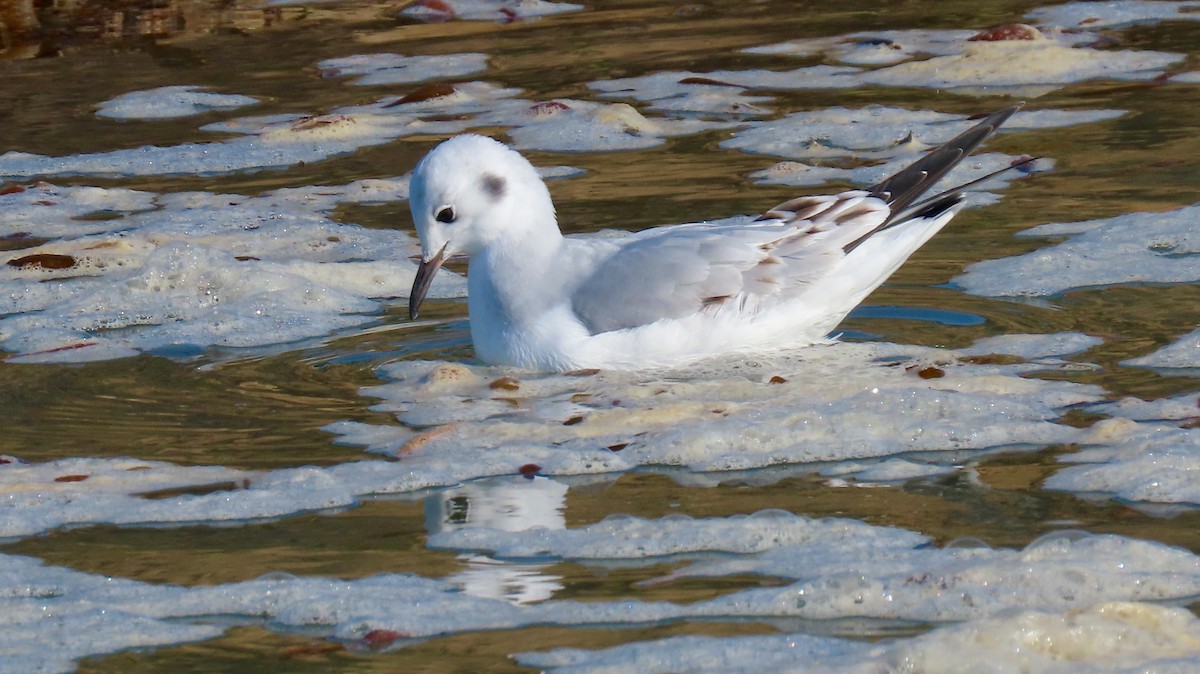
{"x": 467, "y": 193}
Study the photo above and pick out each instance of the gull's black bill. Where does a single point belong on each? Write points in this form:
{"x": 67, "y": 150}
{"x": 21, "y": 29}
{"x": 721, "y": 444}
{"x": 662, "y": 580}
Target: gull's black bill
{"x": 425, "y": 273}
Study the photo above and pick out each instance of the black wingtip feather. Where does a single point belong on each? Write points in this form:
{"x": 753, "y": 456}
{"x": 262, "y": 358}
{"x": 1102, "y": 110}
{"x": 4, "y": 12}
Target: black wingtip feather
{"x": 906, "y": 186}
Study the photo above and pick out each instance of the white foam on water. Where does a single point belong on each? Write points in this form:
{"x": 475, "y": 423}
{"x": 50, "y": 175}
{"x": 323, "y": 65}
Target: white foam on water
{"x": 873, "y": 48}
{"x": 981, "y": 67}
{"x": 873, "y": 131}
{"x": 1111, "y": 637}
{"x": 1130, "y": 248}
{"x": 1017, "y": 60}
{"x": 285, "y": 140}
{"x": 888, "y": 139}
{"x": 193, "y": 270}
{"x": 784, "y": 652}
{"x": 1141, "y": 462}
{"x": 1115, "y": 13}
{"x": 36, "y": 498}
{"x": 634, "y": 538}
{"x": 672, "y": 92}
{"x": 975, "y": 167}
{"x": 1182, "y": 354}
{"x": 1034, "y": 346}
{"x": 503, "y": 11}
{"x": 847, "y": 402}
{"x": 887, "y": 471}
{"x": 1058, "y": 572}
{"x": 669, "y": 84}
{"x": 1185, "y": 407}
{"x": 387, "y": 68}
{"x": 170, "y": 102}
{"x": 884, "y": 574}
{"x": 876, "y": 132}
{"x": 274, "y": 142}
{"x": 41, "y": 210}
{"x": 460, "y": 98}
{"x": 567, "y": 125}
{"x": 836, "y": 403}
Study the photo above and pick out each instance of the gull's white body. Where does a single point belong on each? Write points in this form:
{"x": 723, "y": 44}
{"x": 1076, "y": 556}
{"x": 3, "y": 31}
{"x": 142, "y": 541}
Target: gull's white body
{"x": 665, "y": 296}
{"x": 520, "y": 300}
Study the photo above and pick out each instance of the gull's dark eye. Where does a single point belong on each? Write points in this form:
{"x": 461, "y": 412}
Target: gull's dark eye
{"x": 445, "y": 215}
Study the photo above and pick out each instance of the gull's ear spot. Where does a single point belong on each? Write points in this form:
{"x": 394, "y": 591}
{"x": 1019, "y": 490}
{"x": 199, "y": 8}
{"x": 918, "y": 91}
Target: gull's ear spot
{"x": 494, "y": 185}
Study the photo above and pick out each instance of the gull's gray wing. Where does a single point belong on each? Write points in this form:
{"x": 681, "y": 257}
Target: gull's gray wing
{"x": 672, "y": 272}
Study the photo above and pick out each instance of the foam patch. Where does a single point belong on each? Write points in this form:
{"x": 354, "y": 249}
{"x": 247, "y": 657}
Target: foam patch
{"x": 169, "y": 102}
{"x": 1110, "y": 637}
{"x": 872, "y": 48}
{"x": 888, "y": 139}
{"x": 670, "y": 92}
{"x": 566, "y": 125}
{"x": 1019, "y": 59}
{"x": 160, "y": 273}
{"x": 628, "y": 538}
{"x": 1147, "y": 462}
{"x": 1177, "y": 408}
{"x": 839, "y": 403}
{"x": 1182, "y": 354}
{"x": 273, "y": 142}
{"x": 1131, "y": 248}
{"x": 1060, "y": 576}
{"x": 877, "y": 132}
{"x": 283, "y": 141}
{"x": 1115, "y": 14}
{"x": 503, "y": 11}
{"x": 835, "y": 403}
{"x": 377, "y": 69}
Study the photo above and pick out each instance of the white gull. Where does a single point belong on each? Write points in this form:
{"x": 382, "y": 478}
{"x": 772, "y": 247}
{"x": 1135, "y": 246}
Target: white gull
{"x": 670, "y": 295}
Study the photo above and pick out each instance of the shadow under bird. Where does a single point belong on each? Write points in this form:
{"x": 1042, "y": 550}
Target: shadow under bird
{"x": 665, "y": 296}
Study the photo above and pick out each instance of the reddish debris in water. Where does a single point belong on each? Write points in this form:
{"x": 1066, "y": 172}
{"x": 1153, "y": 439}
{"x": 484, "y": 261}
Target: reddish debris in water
{"x": 582, "y": 373}
{"x": 382, "y": 638}
{"x": 425, "y": 93}
{"x": 44, "y": 260}
{"x": 505, "y": 384}
{"x": 1025, "y": 163}
{"x": 1009, "y": 31}
{"x": 317, "y": 121}
{"x": 529, "y": 470}
{"x": 508, "y": 15}
{"x": 440, "y": 10}
{"x": 931, "y": 373}
{"x": 548, "y": 108}
{"x": 618, "y": 447}
{"x": 11, "y": 189}
{"x": 65, "y": 347}
{"x": 777, "y": 380}
{"x": 705, "y": 80}
{"x": 573, "y": 420}
{"x": 311, "y": 649}
{"x": 70, "y": 478}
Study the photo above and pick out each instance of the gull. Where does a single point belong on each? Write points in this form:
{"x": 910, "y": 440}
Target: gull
{"x": 665, "y": 296}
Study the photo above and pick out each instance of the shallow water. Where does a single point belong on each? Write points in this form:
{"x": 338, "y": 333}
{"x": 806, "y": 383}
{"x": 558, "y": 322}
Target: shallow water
{"x": 267, "y": 408}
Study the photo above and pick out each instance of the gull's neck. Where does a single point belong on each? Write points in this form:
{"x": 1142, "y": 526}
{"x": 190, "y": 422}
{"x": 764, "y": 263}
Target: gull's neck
{"x": 519, "y": 270}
